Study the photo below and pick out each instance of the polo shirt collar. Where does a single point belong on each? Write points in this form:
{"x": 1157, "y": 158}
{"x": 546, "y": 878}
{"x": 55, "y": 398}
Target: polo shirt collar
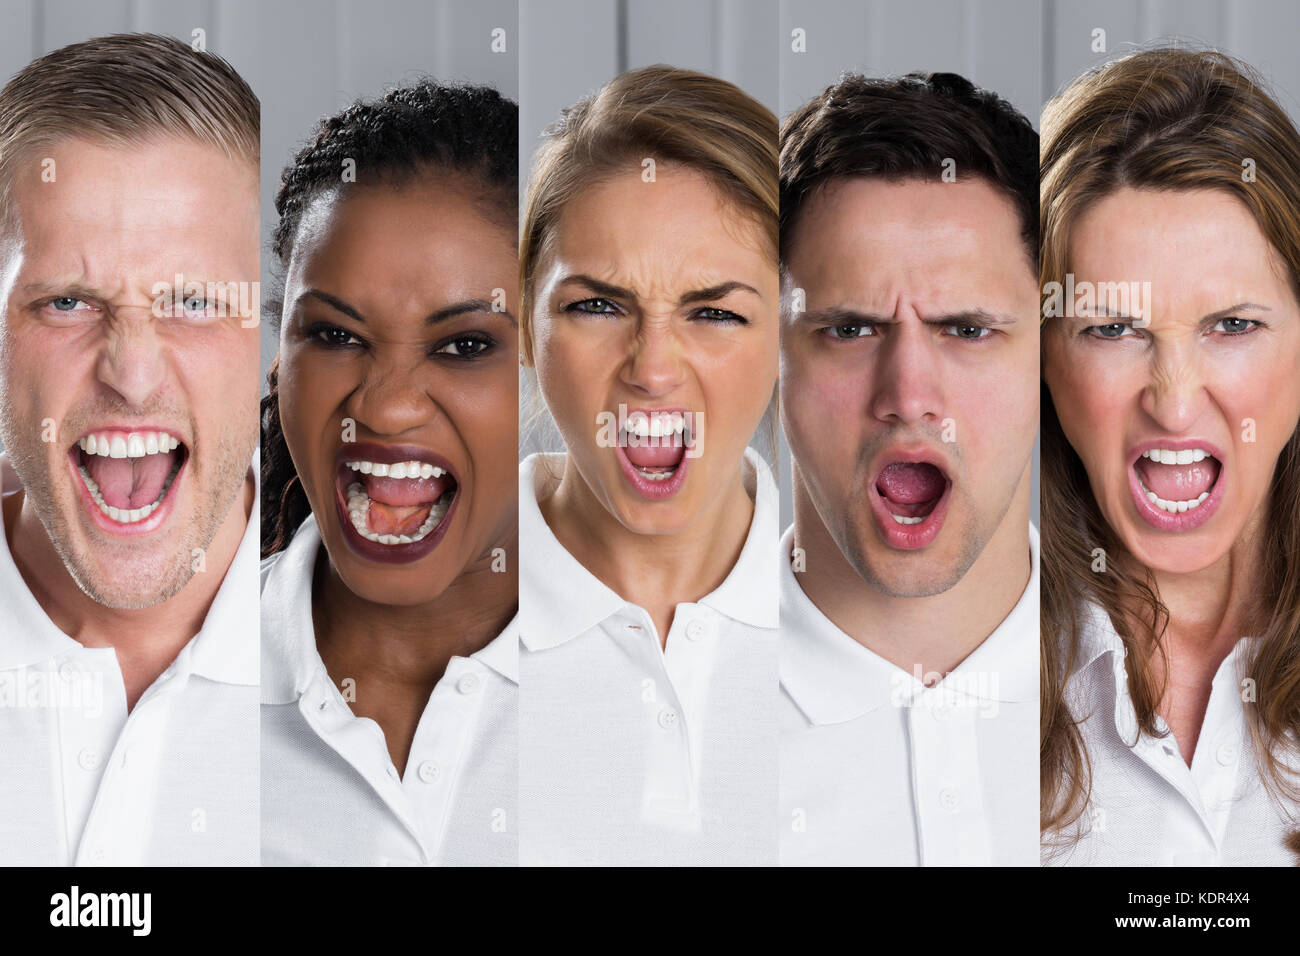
{"x": 833, "y": 679}
{"x": 29, "y": 636}
{"x": 290, "y": 659}
{"x": 575, "y": 600}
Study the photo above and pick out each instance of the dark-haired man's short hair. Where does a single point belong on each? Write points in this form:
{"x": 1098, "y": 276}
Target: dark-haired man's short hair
{"x": 911, "y": 127}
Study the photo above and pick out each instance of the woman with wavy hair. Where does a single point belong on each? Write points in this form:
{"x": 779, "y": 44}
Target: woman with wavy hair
{"x": 388, "y": 489}
{"x": 648, "y": 585}
{"x": 1170, "y": 466}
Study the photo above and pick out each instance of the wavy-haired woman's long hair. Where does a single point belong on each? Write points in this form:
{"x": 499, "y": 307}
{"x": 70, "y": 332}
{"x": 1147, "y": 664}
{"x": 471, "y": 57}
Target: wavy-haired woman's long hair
{"x": 1167, "y": 119}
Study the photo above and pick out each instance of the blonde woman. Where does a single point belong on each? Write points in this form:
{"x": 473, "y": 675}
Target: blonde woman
{"x": 1171, "y": 467}
{"x": 648, "y": 580}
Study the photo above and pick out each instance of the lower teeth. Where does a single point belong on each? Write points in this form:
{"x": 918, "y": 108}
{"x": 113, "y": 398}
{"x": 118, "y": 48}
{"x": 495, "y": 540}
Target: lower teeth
{"x": 902, "y": 519}
{"x": 125, "y": 515}
{"x": 657, "y": 475}
{"x": 359, "y": 509}
{"x": 1173, "y": 507}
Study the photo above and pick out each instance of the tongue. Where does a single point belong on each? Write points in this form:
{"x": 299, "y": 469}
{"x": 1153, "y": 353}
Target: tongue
{"x": 655, "y": 456}
{"x": 911, "y": 483}
{"x": 130, "y": 482}
{"x": 400, "y": 505}
{"x": 1178, "y": 482}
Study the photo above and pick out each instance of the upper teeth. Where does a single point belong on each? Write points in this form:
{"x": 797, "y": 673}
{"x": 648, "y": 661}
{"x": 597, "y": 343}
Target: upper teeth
{"x": 401, "y": 469}
{"x": 1186, "y": 456}
{"x": 655, "y": 426}
{"x": 132, "y": 445}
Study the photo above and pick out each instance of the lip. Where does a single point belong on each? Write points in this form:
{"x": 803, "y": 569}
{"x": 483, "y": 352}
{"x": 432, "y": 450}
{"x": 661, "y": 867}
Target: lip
{"x": 911, "y": 537}
{"x": 387, "y": 455}
{"x": 103, "y": 521}
{"x": 1188, "y": 520}
{"x": 656, "y": 490}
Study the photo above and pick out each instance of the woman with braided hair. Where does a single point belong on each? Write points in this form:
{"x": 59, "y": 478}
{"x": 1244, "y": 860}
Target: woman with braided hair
{"x": 389, "y": 508}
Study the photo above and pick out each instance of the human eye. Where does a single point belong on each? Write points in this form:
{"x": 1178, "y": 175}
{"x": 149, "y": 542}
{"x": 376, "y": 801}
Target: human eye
{"x": 968, "y": 331}
{"x": 717, "y": 316}
{"x": 594, "y": 306}
{"x": 466, "y": 346}
{"x": 1234, "y": 326}
{"x": 67, "y": 306}
{"x": 332, "y": 336}
{"x": 849, "y": 330}
{"x": 1112, "y": 330}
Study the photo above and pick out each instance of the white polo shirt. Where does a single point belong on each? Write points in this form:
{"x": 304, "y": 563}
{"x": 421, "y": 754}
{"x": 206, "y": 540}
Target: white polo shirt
{"x": 878, "y": 770}
{"x": 633, "y": 755}
{"x": 173, "y": 783}
{"x": 1147, "y": 806}
{"x": 330, "y": 793}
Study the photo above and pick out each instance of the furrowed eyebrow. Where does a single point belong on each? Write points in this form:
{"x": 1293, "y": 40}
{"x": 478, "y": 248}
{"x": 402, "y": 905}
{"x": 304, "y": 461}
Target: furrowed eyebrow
{"x": 443, "y": 314}
{"x": 1105, "y": 312}
{"x": 333, "y": 302}
{"x": 716, "y": 292}
{"x": 465, "y": 308}
{"x": 608, "y": 290}
{"x": 71, "y": 290}
{"x": 840, "y": 316}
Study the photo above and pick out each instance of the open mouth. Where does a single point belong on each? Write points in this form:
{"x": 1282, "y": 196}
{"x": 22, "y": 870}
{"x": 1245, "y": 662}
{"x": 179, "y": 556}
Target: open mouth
{"x": 1177, "y": 488}
{"x": 396, "y": 503}
{"x": 652, "y": 448}
{"x": 910, "y": 502}
{"x": 128, "y": 475}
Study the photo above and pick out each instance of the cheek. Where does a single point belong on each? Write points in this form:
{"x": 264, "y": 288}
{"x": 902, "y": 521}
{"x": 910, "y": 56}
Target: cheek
{"x": 824, "y": 404}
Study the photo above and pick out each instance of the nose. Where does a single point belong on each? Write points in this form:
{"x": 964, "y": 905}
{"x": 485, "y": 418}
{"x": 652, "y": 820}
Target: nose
{"x": 133, "y": 359}
{"x": 653, "y": 365}
{"x": 907, "y": 384}
{"x": 393, "y": 397}
{"x": 1175, "y": 394}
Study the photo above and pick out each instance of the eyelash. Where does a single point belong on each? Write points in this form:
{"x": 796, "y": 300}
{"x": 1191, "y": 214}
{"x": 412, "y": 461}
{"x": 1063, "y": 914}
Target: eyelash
{"x": 831, "y": 329}
{"x": 70, "y": 298}
{"x": 1092, "y": 330}
{"x": 318, "y": 332}
{"x": 725, "y": 316}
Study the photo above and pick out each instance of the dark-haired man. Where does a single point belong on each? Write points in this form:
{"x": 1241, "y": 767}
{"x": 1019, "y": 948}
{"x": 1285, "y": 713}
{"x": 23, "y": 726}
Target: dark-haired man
{"x": 909, "y": 345}
{"x": 128, "y": 414}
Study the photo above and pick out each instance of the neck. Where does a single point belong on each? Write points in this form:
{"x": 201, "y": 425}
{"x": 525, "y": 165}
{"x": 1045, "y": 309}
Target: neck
{"x": 147, "y": 639}
{"x": 411, "y": 645}
{"x": 655, "y": 571}
{"x": 902, "y": 629}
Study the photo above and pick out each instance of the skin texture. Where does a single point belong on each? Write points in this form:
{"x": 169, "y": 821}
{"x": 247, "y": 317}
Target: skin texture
{"x": 396, "y": 256}
{"x": 648, "y": 348}
{"x": 115, "y": 221}
{"x": 869, "y": 367}
{"x": 1183, "y": 376}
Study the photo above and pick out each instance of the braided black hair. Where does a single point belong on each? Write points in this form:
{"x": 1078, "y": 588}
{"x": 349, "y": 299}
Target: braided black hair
{"x": 411, "y": 131}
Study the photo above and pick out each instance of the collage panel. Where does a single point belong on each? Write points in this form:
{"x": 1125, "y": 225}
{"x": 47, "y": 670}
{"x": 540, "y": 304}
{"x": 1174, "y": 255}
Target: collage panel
{"x": 1170, "y": 191}
{"x": 389, "y": 575}
{"x": 648, "y": 503}
{"x": 909, "y": 398}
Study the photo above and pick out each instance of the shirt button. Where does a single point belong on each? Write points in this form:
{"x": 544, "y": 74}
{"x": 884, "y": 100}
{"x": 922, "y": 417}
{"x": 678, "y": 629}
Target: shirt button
{"x": 87, "y": 759}
{"x": 667, "y": 718}
{"x": 1161, "y": 726}
{"x": 69, "y": 671}
{"x": 949, "y": 798}
{"x": 1226, "y": 755}
{"x": 468, "y": 684}
{"x": 429, "y": 771}
{"x": 696, "y": 630}
{"x": 940, "y": 712}
{"x": 392, "y": 771}
{"x": 99, "y": 856}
